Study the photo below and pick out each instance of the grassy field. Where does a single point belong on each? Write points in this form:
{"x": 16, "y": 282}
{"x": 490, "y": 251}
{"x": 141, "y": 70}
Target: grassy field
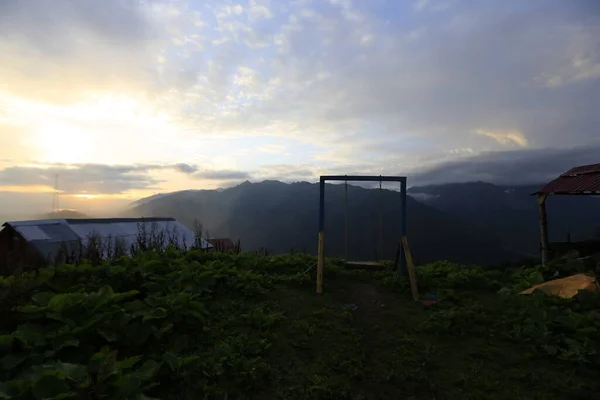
{"x": 198, "y": 325}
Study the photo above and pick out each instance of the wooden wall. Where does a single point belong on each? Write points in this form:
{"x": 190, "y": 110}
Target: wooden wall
{"x": 16, "y": 255}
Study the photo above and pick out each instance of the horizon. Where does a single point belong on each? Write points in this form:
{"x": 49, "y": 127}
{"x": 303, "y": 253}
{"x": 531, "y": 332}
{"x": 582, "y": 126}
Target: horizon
{"x": 123, "y": 100}
{"x": 36, "y": 214}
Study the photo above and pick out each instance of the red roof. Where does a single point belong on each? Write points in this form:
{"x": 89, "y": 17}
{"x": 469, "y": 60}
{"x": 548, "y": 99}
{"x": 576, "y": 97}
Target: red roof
{"x": 223, "y": 244}
{"x": 579, "y": 180}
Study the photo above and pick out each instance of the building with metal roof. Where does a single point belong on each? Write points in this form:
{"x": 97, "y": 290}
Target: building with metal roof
{"x": 583, "y": 180}
{"x": 33, "y": 243}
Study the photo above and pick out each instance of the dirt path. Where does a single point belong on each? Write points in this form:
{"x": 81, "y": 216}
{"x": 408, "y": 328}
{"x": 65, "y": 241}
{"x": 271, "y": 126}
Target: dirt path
{"x": 364, "y": 295}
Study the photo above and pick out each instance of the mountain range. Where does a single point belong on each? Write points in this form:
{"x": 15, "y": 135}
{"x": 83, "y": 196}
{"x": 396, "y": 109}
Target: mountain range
{"x": 512, "y": 213}
{"x": 469, "y": 223}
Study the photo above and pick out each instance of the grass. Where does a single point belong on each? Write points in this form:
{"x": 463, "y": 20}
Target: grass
{"x": 197, "y": 325}
{"x": 406, "y": 351}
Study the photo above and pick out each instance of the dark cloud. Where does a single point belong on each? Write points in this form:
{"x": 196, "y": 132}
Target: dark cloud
{"x": 285, "y": 173}
{"x": 508, "y": 167}
{"x": 186, "y": 168}
{"x": 83, "y": 178}
{"x": 222, "y": 175}
{"x": 106, "y": 179}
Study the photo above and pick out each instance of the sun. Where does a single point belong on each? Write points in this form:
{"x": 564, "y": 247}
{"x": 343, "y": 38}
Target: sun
{"x": 62, "y": 144}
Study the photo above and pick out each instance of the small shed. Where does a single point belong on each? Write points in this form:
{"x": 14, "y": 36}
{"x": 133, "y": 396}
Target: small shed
{"x": 578, "y": 181}
{"x": 223, "y": 245}
{"x": 31, "y": 244}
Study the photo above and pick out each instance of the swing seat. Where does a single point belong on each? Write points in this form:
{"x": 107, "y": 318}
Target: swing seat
{"x": 368, "y": 265}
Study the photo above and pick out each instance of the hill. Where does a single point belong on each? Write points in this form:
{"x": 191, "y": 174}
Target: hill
{"x": 64, "y": 214}
{"x": 283, "y": 216}
{"x": 200, "y": 325}
{"x": 149, "y": 198}
{"x": 512, "y": 214}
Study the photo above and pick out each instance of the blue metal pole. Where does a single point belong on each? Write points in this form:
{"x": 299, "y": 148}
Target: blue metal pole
{"x": 322, "y": 205}
{"x": 402, "y": 265}
{"x": 321, "y": 248}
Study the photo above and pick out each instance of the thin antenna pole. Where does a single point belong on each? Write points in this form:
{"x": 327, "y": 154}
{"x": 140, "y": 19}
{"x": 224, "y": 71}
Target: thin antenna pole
{"x": 53, "y": 200}
{"x": 56, "y": 192}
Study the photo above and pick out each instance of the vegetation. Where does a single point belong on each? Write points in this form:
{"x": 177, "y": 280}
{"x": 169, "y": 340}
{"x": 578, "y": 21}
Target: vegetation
{"x": 192, "y": 324}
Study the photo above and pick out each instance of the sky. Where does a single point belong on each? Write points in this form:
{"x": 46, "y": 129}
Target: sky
{"x": 127, "y": 98}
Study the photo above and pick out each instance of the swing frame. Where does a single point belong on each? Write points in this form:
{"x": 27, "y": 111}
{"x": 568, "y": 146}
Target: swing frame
{"x": 401, "y": 266}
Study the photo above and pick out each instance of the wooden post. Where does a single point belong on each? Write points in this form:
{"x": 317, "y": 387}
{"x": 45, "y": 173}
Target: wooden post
{"x": 412, "y": 276}
{"x": 320, "y": 264}
{"x": 402, "y": 266}
{"x": 541, "y": 199}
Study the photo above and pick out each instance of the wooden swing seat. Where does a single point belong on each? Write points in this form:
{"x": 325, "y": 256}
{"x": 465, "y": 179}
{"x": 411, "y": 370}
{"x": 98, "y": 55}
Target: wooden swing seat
{"x": 371, "y": 265}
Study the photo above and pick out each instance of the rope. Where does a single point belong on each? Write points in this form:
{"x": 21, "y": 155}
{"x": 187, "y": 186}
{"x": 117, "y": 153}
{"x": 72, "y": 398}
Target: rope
{"x": 309, "y": 268}
{"x": 346, "y": 221}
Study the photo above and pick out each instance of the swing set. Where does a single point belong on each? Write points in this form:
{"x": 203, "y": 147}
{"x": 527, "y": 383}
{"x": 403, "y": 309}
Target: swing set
{"x": 400, "y": 262}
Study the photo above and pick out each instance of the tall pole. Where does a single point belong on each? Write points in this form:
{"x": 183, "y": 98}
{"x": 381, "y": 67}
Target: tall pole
{"x": 321, "y": 252}
{"x": 346, "y": 221}
{"x": 541, "y": 199}
{"x": 402, "y": 264}
{"x": 380, "y": 220}
{"x": 55, "y": 195}
{"x": 56, "y": 189}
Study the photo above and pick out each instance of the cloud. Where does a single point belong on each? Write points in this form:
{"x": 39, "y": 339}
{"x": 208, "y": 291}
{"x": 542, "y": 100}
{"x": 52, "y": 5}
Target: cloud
{"x": 272, "y": 148}
{"x": 221, "y": 175}
{"x": 100, "y": 179}
{"x": 76, "y": 45}
{"x": 287, "y": 173}
{"x": 309, "y": 75}
{"x": 186, "y": 168}
{"x": 469, "y": 67}
{"x": 369, "y": 92}
{"x": 83, "y": 178}
{"x": 419, "y": 5}
{"x": 258, "y": 11}
{"x": 506, "y": 137}
{"x": 508, "y": 167}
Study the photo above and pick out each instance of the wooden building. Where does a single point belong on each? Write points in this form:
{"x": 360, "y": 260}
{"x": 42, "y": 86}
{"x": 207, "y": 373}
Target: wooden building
{"x": 223, "y": 245}
{"x": 578, "y": 181}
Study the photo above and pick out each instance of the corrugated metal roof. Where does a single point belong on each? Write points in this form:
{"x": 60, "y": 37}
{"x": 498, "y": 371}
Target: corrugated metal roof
{"x": 47, "y": 236}
{"x": 584, "y": 169}
{"x": 579, "y": 180}
{"x": 31, "y": 233}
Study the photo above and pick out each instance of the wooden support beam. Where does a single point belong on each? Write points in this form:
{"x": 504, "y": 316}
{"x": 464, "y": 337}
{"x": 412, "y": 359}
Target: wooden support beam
{"x": 412, "y": 276}
{"x": 541, "y": 199}
{"x": 320, "y": 262}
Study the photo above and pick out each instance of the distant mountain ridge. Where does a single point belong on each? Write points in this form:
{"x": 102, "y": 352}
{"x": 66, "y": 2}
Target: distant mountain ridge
{"x": 512, "y": 213}
{"x": 150, "y": 198}
{"x": 69, "y": 214}
{"x": 282, "y": 216}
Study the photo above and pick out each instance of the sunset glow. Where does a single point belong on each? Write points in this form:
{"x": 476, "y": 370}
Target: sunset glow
{"x": 62, "y": 144}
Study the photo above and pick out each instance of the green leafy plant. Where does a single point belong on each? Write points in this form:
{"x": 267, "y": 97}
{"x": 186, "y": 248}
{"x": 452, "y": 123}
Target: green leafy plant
{"x": 173, "y": 323}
